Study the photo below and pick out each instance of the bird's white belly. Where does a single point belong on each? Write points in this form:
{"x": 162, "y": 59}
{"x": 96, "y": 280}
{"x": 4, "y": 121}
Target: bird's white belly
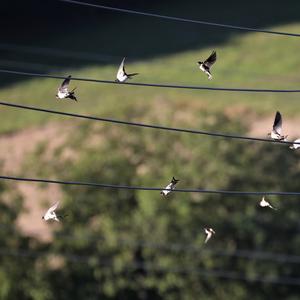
{"x": 61, "y": 95}
{"x": 275, "y": 135}
{"x": 122, "y": 78}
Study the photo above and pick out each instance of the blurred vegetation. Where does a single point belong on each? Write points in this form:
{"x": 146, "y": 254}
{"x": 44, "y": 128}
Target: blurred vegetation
{"x": 119, "y": 244}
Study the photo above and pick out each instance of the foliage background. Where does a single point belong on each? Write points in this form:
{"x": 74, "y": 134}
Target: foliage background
{"x": 118, "y": 244}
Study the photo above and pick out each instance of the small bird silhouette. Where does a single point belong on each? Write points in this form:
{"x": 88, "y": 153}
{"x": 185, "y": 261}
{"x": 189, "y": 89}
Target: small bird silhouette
{"x": 207, "y": 64}
{"x": 276, "y": 133}
{"x": 296, "y": 144}
{"x": 51, "y": 214}
{"x": 63, "y": 91}
{"x": 209, "y": 232}
{"x": 122, "y": 76}
{"x": 264, "y": 203}
{"x": 170, "y": 187}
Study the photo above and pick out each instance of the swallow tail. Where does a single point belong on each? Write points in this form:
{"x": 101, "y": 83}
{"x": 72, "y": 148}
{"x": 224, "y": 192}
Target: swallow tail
{"x": 132, "y": 74}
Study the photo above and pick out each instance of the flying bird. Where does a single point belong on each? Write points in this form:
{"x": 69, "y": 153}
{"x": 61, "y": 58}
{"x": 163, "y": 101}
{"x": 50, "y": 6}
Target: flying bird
{"x": 122, "y": 76}
{"x": 264, "y": 203}
{"x": 51, "y": 214}
{"x": 63, "y": 91}
{"x": 209, "y": 232}
{"x": 170, "y": 187}
{"x": 206, "y": 65}
{"x": 295, "y": 145}
{"x": 276, "y": 133}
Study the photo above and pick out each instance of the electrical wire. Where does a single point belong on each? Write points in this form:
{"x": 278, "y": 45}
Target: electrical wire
{"x": 122, "y": 10}
{"x": 152, "y": 126}
{"x": 151, "y": 267}
{"x": 173, "y": 86}
{"x": 178, "y": 247}
{"x": 143, "y": 188}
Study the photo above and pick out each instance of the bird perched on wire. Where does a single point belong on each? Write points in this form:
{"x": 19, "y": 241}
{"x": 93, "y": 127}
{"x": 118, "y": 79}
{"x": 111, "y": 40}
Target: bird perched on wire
{"x": 209, "y": 232}
{"x": 51, "y": 214}
{"x": 122, "y": 76}
{"x": 63, "y": 90}
{"x": 207, "y": 64}
{"x": 276, "y": 133}
{"x": 296, "y": 144}
{"x": 170, "y": 187}
{"x": 264, "y": 203}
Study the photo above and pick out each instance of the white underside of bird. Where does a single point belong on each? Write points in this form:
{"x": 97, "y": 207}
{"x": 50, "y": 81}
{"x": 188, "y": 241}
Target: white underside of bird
{"x": 209, "y": 232}
{"x": 122, "y": 77}
{"x": 50, "y": 214}
{"x": 264, "y": 203}
{"x": 202, "y": 68}
{"x": 168, "y": 189}
{"x": 276, "y": 136}
{"x": 62, "y": 95}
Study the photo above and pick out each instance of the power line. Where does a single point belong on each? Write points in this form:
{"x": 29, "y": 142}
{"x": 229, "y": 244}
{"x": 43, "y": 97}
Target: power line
{"x": 173, "y": 86}
{"x": 143, "y": 188}
{"x": 181, "y": 19}
{"x": 223, "y": 274}
{"x": 180, "y": 247}
{"x": 137, "y": 124}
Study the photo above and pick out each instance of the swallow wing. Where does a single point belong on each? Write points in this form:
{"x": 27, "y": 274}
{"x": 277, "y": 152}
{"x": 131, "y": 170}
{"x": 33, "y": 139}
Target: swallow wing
{"x": 277, "y": 126}
{"x": 53, "y": 207}
{"x": 211, "y": 59}
{"x": 121, "y": 70}
{"x": 65, "y": 84}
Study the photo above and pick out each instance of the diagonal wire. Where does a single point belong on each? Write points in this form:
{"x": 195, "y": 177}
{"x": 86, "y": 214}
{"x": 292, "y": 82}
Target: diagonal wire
{"x": 137, "y": 124}
{"x": 122, "y": 10}
{"x": 173, "y": 86}
{"x": 144, "y": 188}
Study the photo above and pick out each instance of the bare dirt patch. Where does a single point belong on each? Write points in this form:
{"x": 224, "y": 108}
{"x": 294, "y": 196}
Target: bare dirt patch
{"x": 261, "y": 126}
{"x": 14, "y": 150}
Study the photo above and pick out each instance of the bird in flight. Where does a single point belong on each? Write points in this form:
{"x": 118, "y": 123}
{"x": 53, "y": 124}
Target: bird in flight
{"x": 51, "y": 214}
{"x": 63, "y": 91}
{"x": 264, "y": 203}
{"x": 170, "y": 187}
{"x": 122, "y": 76}
{"x": 276, "y": 133}
{"x": 207, "y": 64}
{"x": 296, "y": 144}
{"x": 209, "y": 232}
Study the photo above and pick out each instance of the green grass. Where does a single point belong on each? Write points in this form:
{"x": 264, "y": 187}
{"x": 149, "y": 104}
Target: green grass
{"x": 251, "y": 60}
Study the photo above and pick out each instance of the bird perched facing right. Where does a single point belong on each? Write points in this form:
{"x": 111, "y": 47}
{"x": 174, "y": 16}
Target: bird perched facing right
{"x": 170, "y": 187}
{"x": 122, "y": 76}
{"x": 207, "y": 64}
{"x": 63, "y": 91}
{"x": 276, "y": 133}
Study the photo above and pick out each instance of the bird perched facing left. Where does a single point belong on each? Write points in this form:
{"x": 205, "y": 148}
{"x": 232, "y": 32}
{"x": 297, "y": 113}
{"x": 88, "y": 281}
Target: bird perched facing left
{"x": 122, "y": 76}
{"x": 207, "y": 64}
{"x": 209, "y": 232}
{"x": 51, "y": 214}
{"x": 63, "y": 90}
{"x": 276, "y": 133}
{"x": 170, "y": 187}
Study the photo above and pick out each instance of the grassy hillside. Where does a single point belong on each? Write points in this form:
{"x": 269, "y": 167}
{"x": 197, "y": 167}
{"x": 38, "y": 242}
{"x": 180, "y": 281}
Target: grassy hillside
{"x": 252, "y": 60}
